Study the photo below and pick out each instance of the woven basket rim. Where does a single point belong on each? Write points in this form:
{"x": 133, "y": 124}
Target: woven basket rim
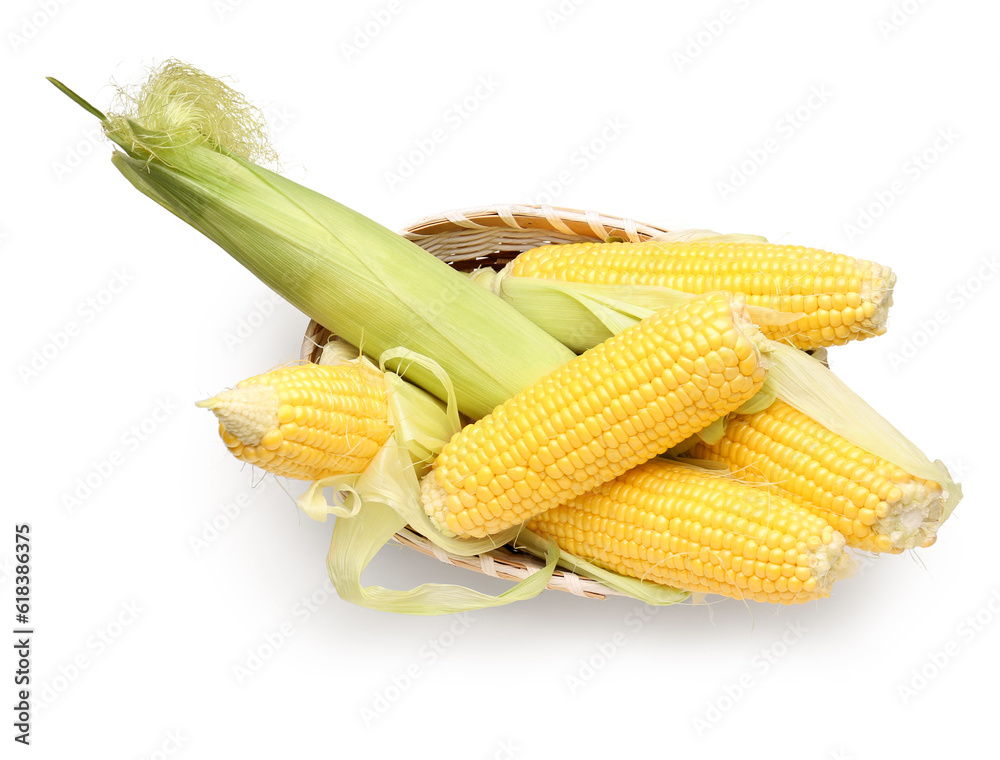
{"x": 489, "y": 235}
{"x": 542, "y": 217}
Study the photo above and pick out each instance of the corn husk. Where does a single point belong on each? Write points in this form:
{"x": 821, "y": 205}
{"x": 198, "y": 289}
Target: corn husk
{"x": 189, "y": 142}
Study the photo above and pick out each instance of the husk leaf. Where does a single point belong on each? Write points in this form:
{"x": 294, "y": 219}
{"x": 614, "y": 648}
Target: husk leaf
{"x": 581, "y": 315}
{"x": 357, "y": 540}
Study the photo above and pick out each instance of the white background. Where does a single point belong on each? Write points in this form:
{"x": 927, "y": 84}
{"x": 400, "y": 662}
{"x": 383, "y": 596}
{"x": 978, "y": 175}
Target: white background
{"x": 633, "y": 108}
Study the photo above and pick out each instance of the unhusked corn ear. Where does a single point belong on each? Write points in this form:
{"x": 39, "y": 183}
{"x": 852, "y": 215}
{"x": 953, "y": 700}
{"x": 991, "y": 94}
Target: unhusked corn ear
{"x": 700, "y": 531}
{"x": 877, "y": 505}
{"x": 841, "y": 298}
{"x": 306, "y": 421}
{"x": 622, "y": 402}
{"x": 189, "y": 141}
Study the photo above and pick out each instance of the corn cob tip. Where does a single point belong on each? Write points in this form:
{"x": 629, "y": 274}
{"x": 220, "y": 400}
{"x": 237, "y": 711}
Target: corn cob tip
{"x": 306, "y": 421}
{"x": 830, "y": 562}
{"x": 878, "y": 506}
{"x": 247, "y": 413}
{"x": 876, "y": 286}
{"x": 913, "y": 518}
{"x": 434, "y": 500}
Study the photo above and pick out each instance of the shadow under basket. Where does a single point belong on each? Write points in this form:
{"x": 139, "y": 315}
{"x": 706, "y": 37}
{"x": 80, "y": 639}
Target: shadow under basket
{"x": 491, "y": 236}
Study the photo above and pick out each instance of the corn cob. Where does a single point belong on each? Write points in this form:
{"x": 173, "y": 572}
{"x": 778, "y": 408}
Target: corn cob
{"x": 621, "y": 403}
{"x": 306, "y": 421}
{"x": 876, "y": 505}
{"x": 700, "y": 531}
{"x": 839, "y": 298}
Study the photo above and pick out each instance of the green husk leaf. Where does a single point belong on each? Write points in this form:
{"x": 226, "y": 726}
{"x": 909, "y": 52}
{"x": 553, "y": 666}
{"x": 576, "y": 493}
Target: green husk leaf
{"x": 357, "y": 540}
{"x": 424, "y": 424}
{"x": 416, "y": 401}
{"x": 581, "y": 315}
{"x": 77, "y": 99}
{"x": 760, "y": 401}
{"x": 714, "y": 431}
{"x": 373, "y": 507}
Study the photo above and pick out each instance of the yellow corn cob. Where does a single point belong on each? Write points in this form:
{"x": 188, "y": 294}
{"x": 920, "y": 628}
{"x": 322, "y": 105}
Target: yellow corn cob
{"x": 700, "y": 531}
{"x": 306, "y": 421}
{"x": 841, "y": 298}
{"x": 617, "y": 405}
{"x": 875, "y": 504}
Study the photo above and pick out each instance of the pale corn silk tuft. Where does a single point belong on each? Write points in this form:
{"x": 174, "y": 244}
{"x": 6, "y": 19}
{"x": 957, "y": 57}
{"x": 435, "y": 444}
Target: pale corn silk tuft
{"x": 192, "y": 107}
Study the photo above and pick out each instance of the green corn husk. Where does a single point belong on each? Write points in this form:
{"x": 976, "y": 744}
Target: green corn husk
{"x": 189, "y": 142}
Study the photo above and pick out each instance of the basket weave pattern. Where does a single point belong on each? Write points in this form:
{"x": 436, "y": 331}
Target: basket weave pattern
{"x": 492, "y": 236}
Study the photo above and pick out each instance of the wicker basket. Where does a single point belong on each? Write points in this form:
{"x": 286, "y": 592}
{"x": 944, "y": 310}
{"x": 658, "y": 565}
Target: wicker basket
{"x": 492, "y": 236}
